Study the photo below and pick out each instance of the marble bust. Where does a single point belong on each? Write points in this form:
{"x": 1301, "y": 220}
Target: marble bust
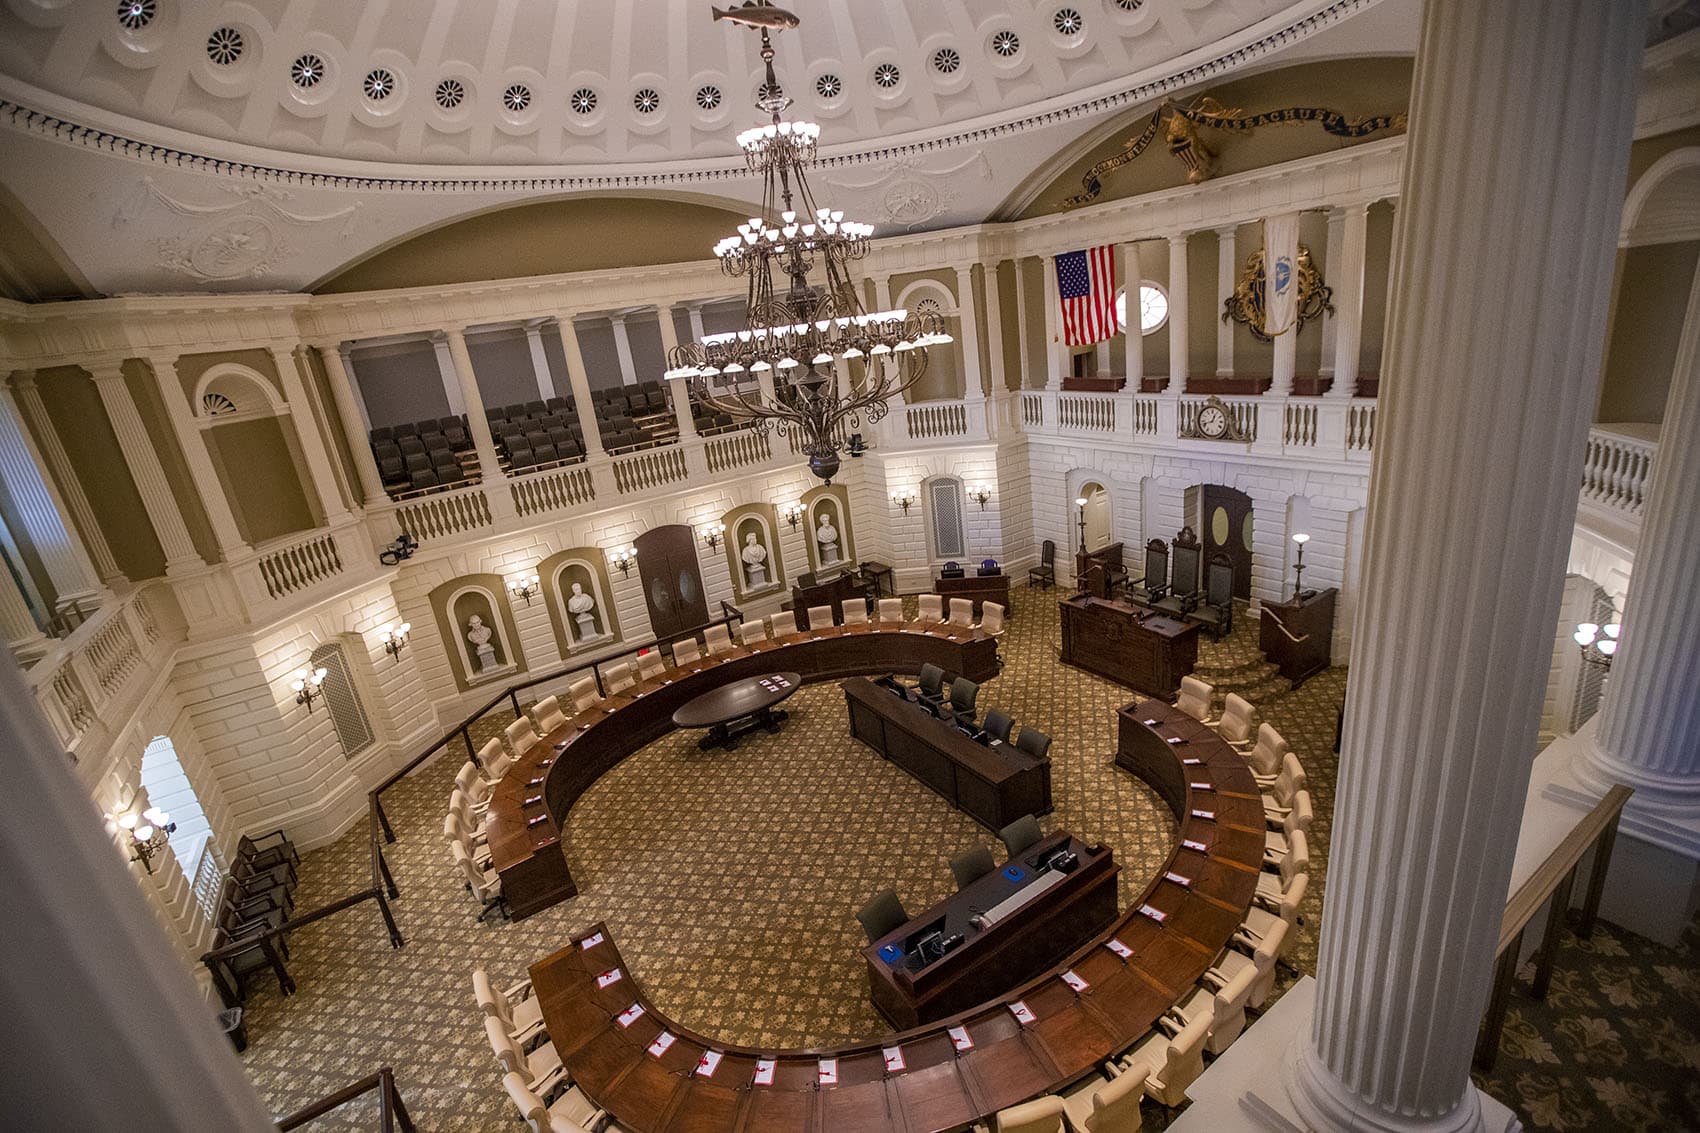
{"x": 582, "y": 607}
{"x": 826, "y": 535}
{"x": 755, "y": 561}
{"x": 479, "y": 635}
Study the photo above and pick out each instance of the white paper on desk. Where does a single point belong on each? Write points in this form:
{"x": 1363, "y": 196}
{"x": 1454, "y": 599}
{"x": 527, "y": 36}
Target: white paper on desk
{"x": 764, "y": 1072}
{"x": 893, "y": 1059}
{"x": 1154, "y": 913}
{"x": 1175, "y": 740}
{"x": 1152, "y": 723}
{"x": 1023, "y": 1013}
{"x": 1119, "y": 949}
{"x": 1210, "y": 814}
{"x": 959, "y": 1038}
{"x": 1072, "y": 979}
{"x": 1200, "y": 847}
{"x": 709, "y": 1063}
{"x": 829, "y": 1071}
{"x": 591, "y": 941}
{"x": 662, "y": 1041}
{"x": 1191, "y": 761}
{"x": 630, "y": 1015}
{"x": 608, "y": 978}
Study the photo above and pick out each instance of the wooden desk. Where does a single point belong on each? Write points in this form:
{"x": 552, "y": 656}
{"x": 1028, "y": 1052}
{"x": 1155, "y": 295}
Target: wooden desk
{"x": 833, "y": 592}
{"x": 1060, "y": 912}
{"x": 750, "y": 700}
{"x": 981, "y": 588}
{"x": 940, "y": 1087}
{"x": 1311, "y": 621}
{"x": 993, "y": 785}
{"x": 557, "y": 771}
{"x": 1120, "y": 642}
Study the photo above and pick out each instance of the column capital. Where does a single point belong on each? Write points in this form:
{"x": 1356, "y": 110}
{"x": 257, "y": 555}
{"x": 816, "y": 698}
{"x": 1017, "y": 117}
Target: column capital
{"x": 1227, "y": 231}
{"x": 535, "y": 326}
{"x": 105, "y": 369}
{"x": 1178, "y": 238}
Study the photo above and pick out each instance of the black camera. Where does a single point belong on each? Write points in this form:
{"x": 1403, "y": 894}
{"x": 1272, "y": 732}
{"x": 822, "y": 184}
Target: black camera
{"x": 400, "y": 550}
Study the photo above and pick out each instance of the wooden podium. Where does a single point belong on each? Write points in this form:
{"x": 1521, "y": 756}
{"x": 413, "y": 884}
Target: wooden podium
{"x": 1305, "y": 646}
{"x": 1123, "y": 643}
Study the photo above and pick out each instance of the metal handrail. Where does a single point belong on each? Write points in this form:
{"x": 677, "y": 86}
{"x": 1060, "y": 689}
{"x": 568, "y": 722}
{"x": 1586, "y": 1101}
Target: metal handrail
{"x": 392, "y": 1112}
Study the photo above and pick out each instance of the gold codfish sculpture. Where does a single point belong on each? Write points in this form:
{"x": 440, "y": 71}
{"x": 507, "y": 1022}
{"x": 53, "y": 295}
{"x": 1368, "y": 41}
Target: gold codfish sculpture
{"x": 758, "y": 15}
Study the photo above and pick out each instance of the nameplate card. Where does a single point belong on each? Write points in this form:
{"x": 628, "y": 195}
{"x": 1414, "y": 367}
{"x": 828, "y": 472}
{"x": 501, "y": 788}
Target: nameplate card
{"x": 1190, "y": 844}
{"x": 1202, "y": 786}
{"x": 764, "y": 1072}
{"x": 894, "y": 1063}
{"x": 828, "y": 1072}
{"x": 591, "y": 941}
{"x": 662, "y": 1041}
{"x": 1179, "y": 879}
{"x": 1154, "y": 913}
{"x": 562, "y": 746}
{"x": 1023, "y": 1013}
{"x": 630, "y": 1015}
{"x": 1209, "y": 814}
{"x": 538, "y": 819}
{"x": 545, "y": 762}
{"x": 1191, "y": 761}
{"x": 1119, "y": 949}
{"x": 1073, "y": 980}
{"x": 709, "y": 1063}
{"x": 608, "y": 978}
{"x": 533, "y": 800}
{"x": 1151, "y": 723}
{"x": 537, "y": 782}
{"x": 960, "y": 1040}
{"x": 1175, "y": 740}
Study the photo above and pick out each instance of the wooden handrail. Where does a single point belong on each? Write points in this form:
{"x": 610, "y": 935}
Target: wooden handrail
{"x": 392, "y": 1112}
{"x": 1541, "y": 884}
{"x": 1281, "y": 625}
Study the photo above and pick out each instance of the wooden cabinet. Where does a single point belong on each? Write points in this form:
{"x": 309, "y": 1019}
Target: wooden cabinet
{"x": 981, "y": 588}
{"x": 1299, "y": 636}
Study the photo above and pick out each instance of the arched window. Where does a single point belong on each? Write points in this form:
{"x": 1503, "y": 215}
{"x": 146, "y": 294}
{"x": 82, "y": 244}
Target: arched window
{"x": 944, "y": 508}
{"x": 169, "y": 789}
{"x": 342, "y": 699}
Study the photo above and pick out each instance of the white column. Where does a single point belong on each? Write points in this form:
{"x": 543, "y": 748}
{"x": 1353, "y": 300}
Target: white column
{"x": 1180, "y": 363}
{"x": 42, "y": 511}
{"x": 1287, "y": 338}
{"x": 1331, "y": 258}
{"x": 345, "y": 351}
{"x": 694, "y": 313}
{"x": 1134, "y": 338}
{"x": 1101, "y": 359}
{"x": 354, "y": 425}
{"x": 1019, "y": 263}
{"x": 1054, "y": 348}
{"x": 477, "y": 424}
{"x": 209, "y": 488}
{"x": 968, "y": 321}
{"x": 678, "y": 388}
{"x": 446, "y": 373}
{"x": 314, "y": 450}
{"x": 1498, "y": 325}
{"x": 539, "y": 359}
{"x": 17, "y": 624}
{"x": 994, "y": 331}
{"x": 1227, "y": 274}
{"x": 623, "y": 348}
{"x": 1649, "y": 731}
{"x": 65, "y": 476}
{"x": 579, "y": 380}
{"x": 145, "y": 469}
{"x": 1347, "y": 274}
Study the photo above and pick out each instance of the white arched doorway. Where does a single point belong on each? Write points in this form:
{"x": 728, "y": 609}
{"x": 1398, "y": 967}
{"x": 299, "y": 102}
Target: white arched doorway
{"x": 1094, "y": 516}
{"x": 169, "y": 789}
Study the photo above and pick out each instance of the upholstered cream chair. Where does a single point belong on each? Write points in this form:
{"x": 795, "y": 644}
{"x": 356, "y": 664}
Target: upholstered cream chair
{"x": 991, "y": 618}
{"x": 932, "y": 608}
{"x": 584, "y": 695}
{"x": 962, "y": 612}
{"x": 618, "y": 677}
{"x": 891, "y": 609}
{"x": 1266, "y": 913}
{"x": 780, "y": 624}
{"x": 1235, "y": 960}
{"x": 518, "y": 1009}
{"x": 1099, "y": 1105}
{"x": 1239, "y": 721}
{"x": 569, "y": 1111}
{"x": 820, "y": 617}
{"x": 540, "y": 1071}
{"x": 650, "y": 664}
{"x": 1283, "y": 788}
{"x": 1170, "y": 1064}
{"x": 547, "y": 715}
{"x": 485, "y": 884}
{"x": 1276, "y": 842}
{"x": 718, "y": 639}
{"x": 1224, "y": 1006}
{"x": 456, "y": 834}
{"x": 1267, "y": 753}
{"x": 751, "y": 632}
{"x": 1196, "y": 698}
{"x": 855, "y": 611}
{"x": 474, "y": 786}
{"x": 470, "y": 820}
{"x": 1041, "y": 1115}
{"x": 1285, "y": 866}
{"x": 521, "y": 736}
{"x": 686, "y": 652}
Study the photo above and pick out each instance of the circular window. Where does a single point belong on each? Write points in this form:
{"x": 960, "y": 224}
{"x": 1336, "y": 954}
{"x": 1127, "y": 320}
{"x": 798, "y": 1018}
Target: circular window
{"x": 517, "y": 97}
{"x": 1130, "y": 5}
{"x": 1006, "y": 44}
{"x": 582, "y": 100}
{"x": 708, "y": 97}
{"x": 646, "y": 101}
{"x": 1068, "y": 21}
{"x": 829, "y": 86}
{"x": 946, "y": 60}
{"x": 887, "y": 75}
{"x": 378, "y": 84}
{"x": 134, "y": 15}
{"x": 306, "y": 71}
{"x": 450, "y": 93}
{"x": 1153, "y": 308}
{"x": 224, "y": 46}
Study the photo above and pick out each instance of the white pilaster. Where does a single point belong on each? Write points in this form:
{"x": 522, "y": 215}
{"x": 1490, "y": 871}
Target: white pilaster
{"x": 678, "y": 388}
{"x": 539, "y": 359}
{"x": 994, "y": 331}
{"x": 579, "y": 380}
{"x": 17, "y": 624}
{"x": 1055, "y": 351}
{"x": 1346, "y": 276}
{"x": 1227, "y": 271}
{"x": 345, "y": 350}
{"x": 145, "y": 469}
{"x": 446, "y": 373}
{"x": 353, "y": 418}
{"x": 477, "y": 424}
{"x": 1180, "y": 362}
{"x": 209, "y": 488}
{"x": 313, "y": 448}
{"x": 1498, "y": 323}
{"x": 1331, "y": 258}
{"x": 966, "y": 319}
{"x": 42, "y": 510}
{"x": 1020, "y": 320}
{"x": 1134, "y": 335}
{"x": 623, "y": 348}
{"x": 70, "y": 488}
{"x": 694, "y": 313}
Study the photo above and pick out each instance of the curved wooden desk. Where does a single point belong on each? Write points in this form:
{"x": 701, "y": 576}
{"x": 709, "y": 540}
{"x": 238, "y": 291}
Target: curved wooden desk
{"x": 1201, "y": 896}
{"x": 529, "y": 806}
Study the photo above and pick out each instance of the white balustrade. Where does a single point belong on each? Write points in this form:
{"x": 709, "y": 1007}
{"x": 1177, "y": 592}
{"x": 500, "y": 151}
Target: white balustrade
{"x": 1087, "y": 412}
{"x": 553, "y": 489}
{"x": 1032, "y": 410}
{"x": 1242, "y": 416}
{"x": 650, "y": 468}
{"x": 1299, "y": 424}
{"x": 933, "y": 419}
{"x": 1145, "y": 416}
{"x": 112, "y": 656}
{"x": 444, "y": 514}
{"x": 738, "y": 449}
{"x": 1360, "y": 425}
{"x": 299, "y": 565}
{"x": 1617, "y": 469}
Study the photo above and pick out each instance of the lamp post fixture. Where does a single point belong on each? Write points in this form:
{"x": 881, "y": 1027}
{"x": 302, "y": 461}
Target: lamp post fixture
{"x": 149, "y": 833}
{"x": 980, "y": 493}
{"x": 524, "y": 586}
{"x": 1597, "y": 642}
{"x": 308, "y": 685}
{"x": 904, "y": 499}
{"x": 1301, "y": 538}
{"x": 394, "y": 638}
{"x": 1080, "y": 503}
{"x": 712, "y": 533}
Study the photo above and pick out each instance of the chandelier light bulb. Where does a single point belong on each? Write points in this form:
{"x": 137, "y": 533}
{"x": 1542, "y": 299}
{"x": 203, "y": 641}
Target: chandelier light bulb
{"x": 144, "y": 833}
{"x": 128, "y": 820}
{"x": 1607, "y": 645}
{"x": 1612, "y": 629}
{"x": 1582, "y": 637}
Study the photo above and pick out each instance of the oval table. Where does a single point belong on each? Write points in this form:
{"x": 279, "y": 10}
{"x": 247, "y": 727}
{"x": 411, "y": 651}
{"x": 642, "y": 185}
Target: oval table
{"x": 741, "y": 706}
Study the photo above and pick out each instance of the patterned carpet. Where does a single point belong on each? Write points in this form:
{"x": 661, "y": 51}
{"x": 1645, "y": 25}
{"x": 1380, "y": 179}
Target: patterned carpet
{"x": 731, "y": 881}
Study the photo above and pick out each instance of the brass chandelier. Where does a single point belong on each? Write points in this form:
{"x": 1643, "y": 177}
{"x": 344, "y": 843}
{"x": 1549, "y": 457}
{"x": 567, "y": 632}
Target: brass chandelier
{"x": 810, "y": 364}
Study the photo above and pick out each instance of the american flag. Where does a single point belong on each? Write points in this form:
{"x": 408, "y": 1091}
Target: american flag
{"x": 1086, "y": 283}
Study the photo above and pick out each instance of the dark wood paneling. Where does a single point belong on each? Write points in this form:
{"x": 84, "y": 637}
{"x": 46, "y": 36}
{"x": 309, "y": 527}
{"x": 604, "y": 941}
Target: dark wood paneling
{"x": 1122, "y": 643}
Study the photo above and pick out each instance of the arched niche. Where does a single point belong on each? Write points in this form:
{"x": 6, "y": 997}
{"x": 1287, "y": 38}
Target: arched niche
{"x": 260, "y": 466}
{"x": 831, "y": 503}
{"x": 757, "y": 521}
{"x": 947, "y": 537}
{"x": 454, "y": 603}
{"x": 587, "y": 568}
{"x": 945, "y": 364}
{"x": 230, "y": 391}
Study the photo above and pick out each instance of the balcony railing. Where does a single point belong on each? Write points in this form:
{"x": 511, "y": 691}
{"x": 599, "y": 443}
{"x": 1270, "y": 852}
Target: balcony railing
{"x": 1618, "y": 467}
{"x": 105, "y": 662}
{"x": 300, "y": 565}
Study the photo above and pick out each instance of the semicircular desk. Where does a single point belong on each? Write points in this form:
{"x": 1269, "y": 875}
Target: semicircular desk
{"x": 528, "y": 808}
{"x": 965, "y": 1068}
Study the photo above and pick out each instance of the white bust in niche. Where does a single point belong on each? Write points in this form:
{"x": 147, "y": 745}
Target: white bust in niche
{"x": 755, "y": 561}
{"x": 826, "y": 536}
{"x": 583, "y": 609}
{"x": 479, "y": 635}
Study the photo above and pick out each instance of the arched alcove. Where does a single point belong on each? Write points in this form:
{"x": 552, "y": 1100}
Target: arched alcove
{"x": 944, "y": 374}
{"x": 454, "y": 604}
{"x": 168, "y": 788}
{"x": 264, "y": 475}
{"x": 827, "y": 509}
{"x": 576, "y": 626}
{"x": 756, "y": 574}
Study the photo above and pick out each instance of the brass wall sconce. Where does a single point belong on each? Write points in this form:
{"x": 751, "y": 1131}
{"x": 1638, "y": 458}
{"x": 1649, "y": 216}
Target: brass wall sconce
{"x": 394, "y": 638}
{"x": 792, "y": 513}
{"x": 980, "y": 493}
{"x": 1597, "y": 642}
{"x": 712, "y": 534}
{"x": 308, "y": 685}
{"x": 148, "y": 833}
{"x": 524, "y": 586}
{"x": 904, "y": 500}
{"x": 623, "y": 558}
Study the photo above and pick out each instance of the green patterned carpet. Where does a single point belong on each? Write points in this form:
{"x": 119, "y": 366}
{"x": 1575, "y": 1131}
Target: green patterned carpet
{"x": 731, "y": 882}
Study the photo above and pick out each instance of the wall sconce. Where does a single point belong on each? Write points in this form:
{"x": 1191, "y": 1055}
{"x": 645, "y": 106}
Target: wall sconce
{"x": 1301, "y": 538}
{"x": 308, "y": 685}
{"x": 903, "y": 499}
{"x": 1597, "y": 649}
{"x": 711, "y": 533}
{"x": 394, "y": 638}
{"x": 1080, "y": 503}
{"x": 524, "y": 586}
{"x": 980, "y": 493}
{"x": 148, "y": 833}
{"x": 792, "y": 513}
{"x": 623, "y": 558}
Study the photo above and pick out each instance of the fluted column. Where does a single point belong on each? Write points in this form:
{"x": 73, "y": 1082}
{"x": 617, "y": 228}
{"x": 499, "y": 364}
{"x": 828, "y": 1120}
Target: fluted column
{"x": 1133, "y": 335}
{"x": 447, "y": 375}
{"x": 70, "y": 488}
{"x": 1227, "y": 269}
{"x": 23, "y": 637}
{"x": 353, "y": 422}
{"x": 42, "y": 510}
{"x": 209, "y": 487}
{"x": 678, "y": 388}
{"x": 1180, "y": 363}
{"x": 1649, "y": 730}
{"x": 623, "y": 349}
{"x": 969, "y": 324}
{"x": 994, "y": 331}
{"x": 539, "y": 359}
{"x": 1498, "y": 324}
{"x": 580, "y": 382}
{"x": 1346, "y": 276}
{"x": 1021, "y": 319}
{"x": 317, "y": 454}
{"x": 1054, "y": 348}
{"x": 489, "y": 467}
{"x": 1330, "y": 259}
{"x": 145, "y": 469}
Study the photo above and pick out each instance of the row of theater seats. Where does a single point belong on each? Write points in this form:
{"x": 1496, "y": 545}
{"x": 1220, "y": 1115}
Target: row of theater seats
{"x": 1210, "y": 1017}
{"x": 532, "y": 1074}
{"x": 422, "y": 454}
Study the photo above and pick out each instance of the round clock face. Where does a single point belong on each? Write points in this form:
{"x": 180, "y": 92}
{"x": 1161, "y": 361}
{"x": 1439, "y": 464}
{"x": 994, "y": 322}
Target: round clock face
{"x": 1212, "y": 422}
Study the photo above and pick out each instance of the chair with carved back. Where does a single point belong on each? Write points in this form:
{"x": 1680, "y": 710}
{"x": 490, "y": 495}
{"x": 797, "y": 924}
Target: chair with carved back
{"x": 1215, "y": 611}
{"x": 1153, "y": 586}
{"x": 1183, "y": 594}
